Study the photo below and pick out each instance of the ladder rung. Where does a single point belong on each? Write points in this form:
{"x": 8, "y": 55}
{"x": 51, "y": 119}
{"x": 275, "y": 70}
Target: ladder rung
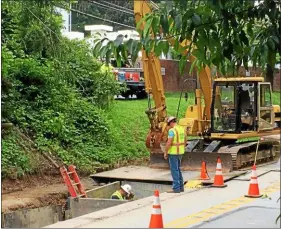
{"x": 68, "y": 181}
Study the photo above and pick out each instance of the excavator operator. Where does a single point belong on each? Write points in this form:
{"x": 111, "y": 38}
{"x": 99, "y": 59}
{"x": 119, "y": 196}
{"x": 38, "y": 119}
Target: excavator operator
{"x": 174, "y": 151}
{"x": 246, "y": 110}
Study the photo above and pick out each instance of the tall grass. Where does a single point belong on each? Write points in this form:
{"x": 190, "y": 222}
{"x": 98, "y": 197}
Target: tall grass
{"x": 130, "y": 124}
{"x": 276, "y": 98}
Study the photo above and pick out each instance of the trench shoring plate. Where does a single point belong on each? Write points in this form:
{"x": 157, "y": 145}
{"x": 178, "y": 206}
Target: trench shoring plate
{"x": 150, "y": 175}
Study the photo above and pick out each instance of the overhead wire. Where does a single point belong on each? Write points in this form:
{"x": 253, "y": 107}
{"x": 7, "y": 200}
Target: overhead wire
{"x": 128, "y": 11}
{"x": 93, "y": 16}
{"x": 43, "y": 23}
{"x": 109, "y": 7}
{"x": 154, "y": 5}
{"x": 104, "y": 18}
{"x": 115, "y": 5}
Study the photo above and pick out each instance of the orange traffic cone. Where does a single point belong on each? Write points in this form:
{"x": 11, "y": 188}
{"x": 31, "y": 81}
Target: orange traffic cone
{"x": 218, "y": 180}
{"x": 254, "y": 186}
{"x": 156, "y": 220}
{"x": 204, "y": 174}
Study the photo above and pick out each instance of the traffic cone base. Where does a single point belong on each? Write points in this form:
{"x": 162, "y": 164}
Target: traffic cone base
{"x": 253, "y": 196}
{"x": 218, "y": 186}
{"x": 156, "y": 221}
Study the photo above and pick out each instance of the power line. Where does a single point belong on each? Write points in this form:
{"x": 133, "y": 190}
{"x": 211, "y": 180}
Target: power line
{"x": 107, "y": 6}
{"x": 43, "y": 23}
{"x": 93, "y": 16}
{"x": 121, "y": 7}
{"x": 154, "y": 5}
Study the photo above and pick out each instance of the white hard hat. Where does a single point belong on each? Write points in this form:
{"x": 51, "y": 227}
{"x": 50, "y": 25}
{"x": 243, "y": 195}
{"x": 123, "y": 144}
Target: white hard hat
{"x": 127, "y": 188}
{"x": 171, "y": 119}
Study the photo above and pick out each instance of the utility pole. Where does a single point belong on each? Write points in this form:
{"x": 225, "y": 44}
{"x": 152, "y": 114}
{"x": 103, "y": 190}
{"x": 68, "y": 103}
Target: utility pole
{"x": 69, "y": 18}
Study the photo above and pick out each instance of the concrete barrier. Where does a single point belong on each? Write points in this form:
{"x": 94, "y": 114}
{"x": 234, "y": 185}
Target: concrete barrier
{"x": 32, "y": 218}
{"x": 142, "y": 189}
{"x": 82, "y": 206}
{"x": 98, "y": 199}
{"x": 104, "y": 191}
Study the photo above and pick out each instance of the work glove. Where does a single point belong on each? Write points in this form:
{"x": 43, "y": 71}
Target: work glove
{"x": 131, "y": 196}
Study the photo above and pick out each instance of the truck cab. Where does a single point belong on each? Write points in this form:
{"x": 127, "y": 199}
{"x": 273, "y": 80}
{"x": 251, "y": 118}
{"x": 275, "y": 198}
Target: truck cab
{"x": 132, "y": 79}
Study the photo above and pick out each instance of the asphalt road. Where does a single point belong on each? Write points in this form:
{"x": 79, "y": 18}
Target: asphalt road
{"x": 259, "y": 214}
{"x": 205, "y": 208}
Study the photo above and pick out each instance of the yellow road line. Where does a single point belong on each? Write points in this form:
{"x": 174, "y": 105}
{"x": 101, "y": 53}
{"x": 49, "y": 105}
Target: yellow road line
{"x": 218, "y": 209}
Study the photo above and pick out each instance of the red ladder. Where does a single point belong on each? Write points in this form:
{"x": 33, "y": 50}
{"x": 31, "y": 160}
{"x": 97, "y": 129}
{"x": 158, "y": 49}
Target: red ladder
{"x": 70, "y": 185}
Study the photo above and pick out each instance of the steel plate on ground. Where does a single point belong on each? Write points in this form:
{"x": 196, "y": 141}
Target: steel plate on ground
{"x": 261, "y": 170}
{"x": 150, "y": 175}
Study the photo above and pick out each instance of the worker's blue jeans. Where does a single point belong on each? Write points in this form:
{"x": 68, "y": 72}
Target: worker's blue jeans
{"x": 175, "y": 162}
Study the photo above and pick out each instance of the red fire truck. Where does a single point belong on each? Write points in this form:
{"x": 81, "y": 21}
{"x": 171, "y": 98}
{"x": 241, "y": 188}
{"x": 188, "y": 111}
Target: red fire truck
{"x": 134, "y": 81}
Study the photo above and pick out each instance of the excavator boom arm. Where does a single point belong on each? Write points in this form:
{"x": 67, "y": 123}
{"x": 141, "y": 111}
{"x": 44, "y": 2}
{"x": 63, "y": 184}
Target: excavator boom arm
{"x": 152, "y": 71}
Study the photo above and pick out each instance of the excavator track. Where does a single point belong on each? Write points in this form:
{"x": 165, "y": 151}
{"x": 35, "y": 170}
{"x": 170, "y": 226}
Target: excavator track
{"x": 243, "y": 155}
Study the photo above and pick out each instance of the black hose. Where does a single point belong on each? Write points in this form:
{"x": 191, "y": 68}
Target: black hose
{"x": 181, "y": 94}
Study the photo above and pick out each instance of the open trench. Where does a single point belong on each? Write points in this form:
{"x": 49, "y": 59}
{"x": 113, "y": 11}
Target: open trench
{"x": 38, "y": 191}
{"x": 57, "y": 206}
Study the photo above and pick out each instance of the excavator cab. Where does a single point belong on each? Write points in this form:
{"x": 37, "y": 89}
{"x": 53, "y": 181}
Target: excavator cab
{"x": 241, "y": 106}
{"x": 235, "y": 109}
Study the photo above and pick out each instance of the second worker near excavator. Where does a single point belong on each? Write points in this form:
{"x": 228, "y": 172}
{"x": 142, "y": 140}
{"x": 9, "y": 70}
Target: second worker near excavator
{"x": 174, "y": 151}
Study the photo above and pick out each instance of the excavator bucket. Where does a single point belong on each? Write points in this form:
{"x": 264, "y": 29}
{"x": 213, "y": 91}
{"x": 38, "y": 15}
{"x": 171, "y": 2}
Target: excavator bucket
{"x": 192, "y": 161}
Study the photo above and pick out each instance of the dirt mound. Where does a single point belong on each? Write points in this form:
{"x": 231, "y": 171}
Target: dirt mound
{"x": 47, "y": 200}
{"x": 39, "y": 180}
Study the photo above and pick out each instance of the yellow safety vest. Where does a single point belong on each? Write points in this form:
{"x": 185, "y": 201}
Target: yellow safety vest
{"x": 178, "y": 143}
{"x": 106, "y": 68}
{"x": 117, "y": 193}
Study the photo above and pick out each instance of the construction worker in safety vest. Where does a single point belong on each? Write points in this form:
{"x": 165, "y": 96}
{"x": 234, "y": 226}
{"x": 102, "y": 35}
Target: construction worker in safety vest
{"x": 106, "y": 68}
{"x": 124, "y": 193}
{"x": 174, "y": 151}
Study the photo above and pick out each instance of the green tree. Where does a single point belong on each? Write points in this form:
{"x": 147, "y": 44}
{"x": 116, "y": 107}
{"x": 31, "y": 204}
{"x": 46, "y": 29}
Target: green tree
{"x": 53, "y": 90}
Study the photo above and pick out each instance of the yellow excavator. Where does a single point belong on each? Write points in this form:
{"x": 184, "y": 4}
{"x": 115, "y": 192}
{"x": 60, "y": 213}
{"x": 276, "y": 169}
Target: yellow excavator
{"x": 234, "y": 108}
